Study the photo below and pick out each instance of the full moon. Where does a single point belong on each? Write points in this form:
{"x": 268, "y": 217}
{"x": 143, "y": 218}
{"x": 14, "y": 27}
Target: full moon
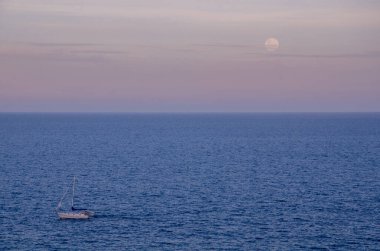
{"x": 272, "y": 44}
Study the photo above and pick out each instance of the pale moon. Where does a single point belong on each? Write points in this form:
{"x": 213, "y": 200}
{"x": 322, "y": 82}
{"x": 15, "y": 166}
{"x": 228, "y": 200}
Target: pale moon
{"x": 272, "y": 44}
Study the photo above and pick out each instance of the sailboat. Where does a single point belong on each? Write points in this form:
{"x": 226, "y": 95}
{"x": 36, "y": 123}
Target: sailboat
{"x": 75, "y": 213}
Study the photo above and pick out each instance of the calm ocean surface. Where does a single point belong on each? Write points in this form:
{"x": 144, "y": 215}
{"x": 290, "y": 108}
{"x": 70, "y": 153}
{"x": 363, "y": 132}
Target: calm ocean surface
{"x": 193, "y": 182}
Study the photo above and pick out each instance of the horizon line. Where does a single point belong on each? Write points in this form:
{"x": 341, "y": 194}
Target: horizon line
{"x": 189, "y": 112}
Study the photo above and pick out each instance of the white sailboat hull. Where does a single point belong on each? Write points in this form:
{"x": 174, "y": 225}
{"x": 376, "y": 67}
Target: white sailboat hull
{"x": 72, "y": 215}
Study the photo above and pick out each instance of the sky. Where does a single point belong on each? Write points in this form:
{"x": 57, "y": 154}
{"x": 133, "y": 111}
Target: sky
{"x": 189, "y": 56}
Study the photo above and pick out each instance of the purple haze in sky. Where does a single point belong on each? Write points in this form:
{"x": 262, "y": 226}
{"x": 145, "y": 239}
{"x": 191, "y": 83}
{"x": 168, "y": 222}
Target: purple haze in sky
{"x": 189, "y": 56}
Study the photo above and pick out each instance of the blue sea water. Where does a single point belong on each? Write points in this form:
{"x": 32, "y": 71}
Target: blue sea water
{"x": 192, "y": 182}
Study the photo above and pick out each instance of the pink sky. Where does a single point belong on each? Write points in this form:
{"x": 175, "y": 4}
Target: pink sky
{"x": 189, "y": 56}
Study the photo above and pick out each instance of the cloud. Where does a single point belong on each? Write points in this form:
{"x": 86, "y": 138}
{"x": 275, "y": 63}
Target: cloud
{"x": 319, "y": 15}
{"x": 372, "y": 54}
{"x": 225, "y": 45}
{"x": 59, "y": 51}
{"x": 100, "y": 52}
{"x": 46, "y": 44}
{"x": 348, "y": 55}
{"x": 256, "y": 49}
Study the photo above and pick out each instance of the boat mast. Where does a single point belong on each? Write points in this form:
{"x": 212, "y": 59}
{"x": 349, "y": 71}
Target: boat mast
{"x": 72, "y": 198}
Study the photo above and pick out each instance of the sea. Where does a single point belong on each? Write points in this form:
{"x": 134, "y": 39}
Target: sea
{"x": 249, "y": 181}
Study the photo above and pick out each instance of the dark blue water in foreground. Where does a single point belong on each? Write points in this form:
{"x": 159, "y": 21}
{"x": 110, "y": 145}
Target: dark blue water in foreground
{"x": 243, "y": 181}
